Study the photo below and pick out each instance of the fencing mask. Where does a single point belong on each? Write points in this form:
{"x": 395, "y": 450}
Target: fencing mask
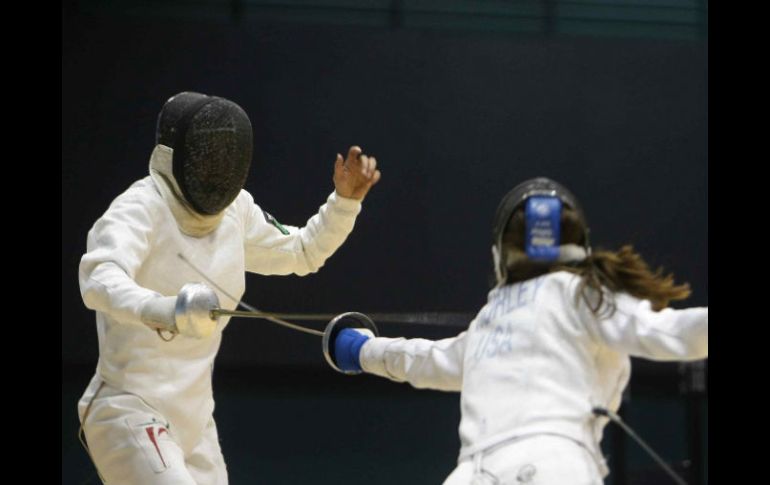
{"x": 212, "y": 144}
{"x": 542, "y": 200}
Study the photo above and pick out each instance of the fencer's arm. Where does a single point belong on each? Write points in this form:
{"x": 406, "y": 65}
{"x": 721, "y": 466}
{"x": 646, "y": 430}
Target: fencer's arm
{"x": 287, "y": 249}
{"x": 423, "y": 363}
{"x": 269, "y": 250}
{"x": 356, "y": 174}
{"x": 669, "y": 334}
{"x": 117, "y": 244}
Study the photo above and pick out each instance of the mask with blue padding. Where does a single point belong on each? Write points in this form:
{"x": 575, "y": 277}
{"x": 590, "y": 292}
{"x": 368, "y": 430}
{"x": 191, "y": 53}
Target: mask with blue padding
{"x": 543, "y": 201}
{"x": 543, "y": 227}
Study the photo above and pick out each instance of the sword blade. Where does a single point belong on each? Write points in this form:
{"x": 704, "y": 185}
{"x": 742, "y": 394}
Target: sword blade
{"x": 451, "y": 319}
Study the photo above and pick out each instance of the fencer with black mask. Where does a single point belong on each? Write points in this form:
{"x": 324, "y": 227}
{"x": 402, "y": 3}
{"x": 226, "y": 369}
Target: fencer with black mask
{"x": 550, "y": 348}
{"x": 147, "y": 414}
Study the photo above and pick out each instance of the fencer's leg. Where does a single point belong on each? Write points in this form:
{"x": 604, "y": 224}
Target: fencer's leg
{"x": 206, "y": 463}
{"x": 130, "y": 443}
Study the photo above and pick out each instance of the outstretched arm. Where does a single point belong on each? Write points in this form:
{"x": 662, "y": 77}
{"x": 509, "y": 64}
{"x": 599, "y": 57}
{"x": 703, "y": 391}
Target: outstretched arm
{"x": 422, "y": 363}
{"x": 668, "y": 334}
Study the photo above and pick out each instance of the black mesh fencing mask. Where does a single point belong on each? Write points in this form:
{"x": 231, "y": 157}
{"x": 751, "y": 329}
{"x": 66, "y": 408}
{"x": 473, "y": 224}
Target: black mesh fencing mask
{"x": 212, "y": 142}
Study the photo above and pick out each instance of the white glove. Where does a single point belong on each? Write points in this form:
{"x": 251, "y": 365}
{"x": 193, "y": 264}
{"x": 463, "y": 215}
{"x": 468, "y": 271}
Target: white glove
{"x": 187, "y": 313}
{"x": 160, "y": 314}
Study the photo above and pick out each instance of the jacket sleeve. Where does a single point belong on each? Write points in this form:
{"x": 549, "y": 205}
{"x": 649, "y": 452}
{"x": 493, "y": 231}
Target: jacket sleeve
{"x": 117, "y": 245}
{"x": 422, "y": 363}
{"x": 275, "y": 249}
{"x": 636, "y": 329}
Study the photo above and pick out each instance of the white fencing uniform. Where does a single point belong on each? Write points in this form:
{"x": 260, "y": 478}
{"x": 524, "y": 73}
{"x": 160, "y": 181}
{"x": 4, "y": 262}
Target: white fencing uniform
{"x": 151, "y": 421}
{"x": 531, "y": 367}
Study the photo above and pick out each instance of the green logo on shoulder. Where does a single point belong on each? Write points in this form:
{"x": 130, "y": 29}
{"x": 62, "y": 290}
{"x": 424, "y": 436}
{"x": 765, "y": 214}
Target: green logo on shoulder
{"x": 275, "y": 223}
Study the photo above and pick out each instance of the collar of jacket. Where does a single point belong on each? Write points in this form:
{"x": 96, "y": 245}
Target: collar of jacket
{"x": 189, "y": 221}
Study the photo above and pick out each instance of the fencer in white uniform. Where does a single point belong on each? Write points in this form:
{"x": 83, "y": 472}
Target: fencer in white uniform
{"x": 148, "y": 412}
{"x": 552, "y": 343}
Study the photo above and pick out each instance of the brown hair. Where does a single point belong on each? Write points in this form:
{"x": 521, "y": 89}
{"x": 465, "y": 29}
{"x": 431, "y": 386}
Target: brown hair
{"x": 617, "y": 271}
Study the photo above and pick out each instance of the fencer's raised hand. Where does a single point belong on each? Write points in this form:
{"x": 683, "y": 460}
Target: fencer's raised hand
{"x": 347, "y": 348}
{"x": 188, "y": 313}
{"x": 356, "y": 174}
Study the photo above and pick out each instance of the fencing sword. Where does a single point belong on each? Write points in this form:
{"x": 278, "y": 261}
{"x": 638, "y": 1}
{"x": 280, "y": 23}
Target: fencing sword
{"x": 449, "y": 319}
{"x": 213, "y": 310}
{"x": 199, "y": 302}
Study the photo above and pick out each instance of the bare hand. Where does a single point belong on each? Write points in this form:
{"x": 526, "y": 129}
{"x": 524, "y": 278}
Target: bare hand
{"x": 354, "y": 176}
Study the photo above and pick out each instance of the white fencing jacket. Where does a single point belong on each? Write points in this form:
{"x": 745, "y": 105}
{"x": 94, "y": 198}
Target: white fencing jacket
{"x": 534, "y": 362}
{"x": 132, "y": 257}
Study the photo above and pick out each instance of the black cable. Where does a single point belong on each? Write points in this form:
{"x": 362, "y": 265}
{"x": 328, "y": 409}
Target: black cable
{"x": 616, "y": 419}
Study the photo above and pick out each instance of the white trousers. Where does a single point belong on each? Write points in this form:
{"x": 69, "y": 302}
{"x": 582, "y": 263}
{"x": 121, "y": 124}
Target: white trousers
{"x": 536, "y": 460}
{"x": 131, "y": 443}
